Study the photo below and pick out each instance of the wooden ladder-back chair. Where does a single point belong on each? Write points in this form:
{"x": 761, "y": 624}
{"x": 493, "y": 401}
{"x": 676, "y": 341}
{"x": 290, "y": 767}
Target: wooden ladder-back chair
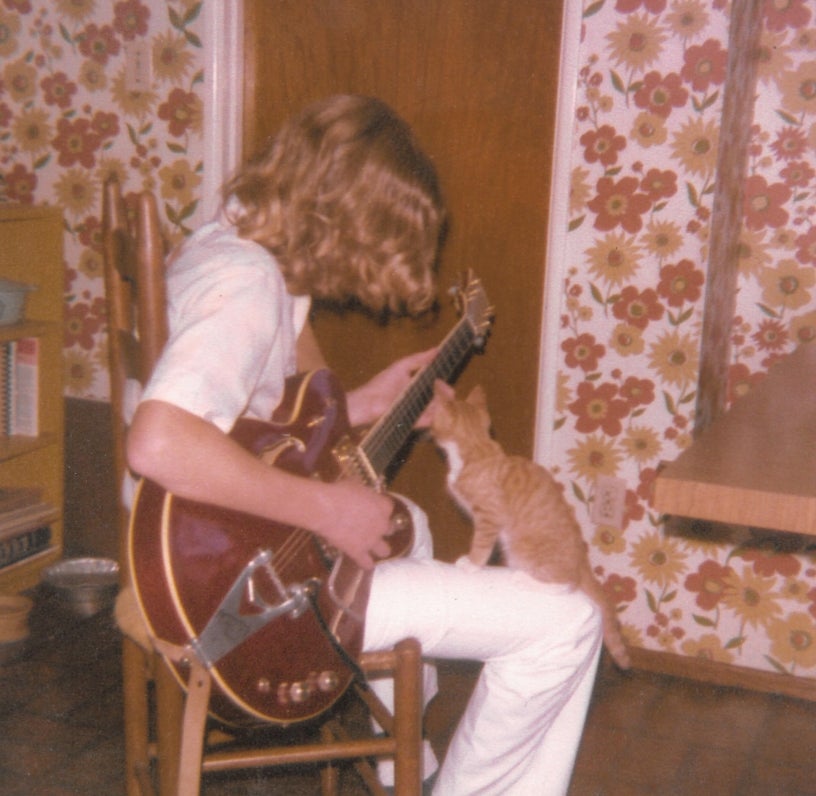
{"x": 165, "y": 731}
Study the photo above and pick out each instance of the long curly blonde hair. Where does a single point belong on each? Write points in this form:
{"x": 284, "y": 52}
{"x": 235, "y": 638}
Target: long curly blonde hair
{"x": 348, "y": 203}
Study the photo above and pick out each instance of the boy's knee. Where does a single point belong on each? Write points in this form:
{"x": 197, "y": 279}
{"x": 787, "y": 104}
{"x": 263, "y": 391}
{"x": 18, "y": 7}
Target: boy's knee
{"x": 578, "y": 622}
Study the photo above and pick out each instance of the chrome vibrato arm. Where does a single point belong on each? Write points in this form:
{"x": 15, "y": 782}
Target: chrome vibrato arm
{"x": 229, "y": 626}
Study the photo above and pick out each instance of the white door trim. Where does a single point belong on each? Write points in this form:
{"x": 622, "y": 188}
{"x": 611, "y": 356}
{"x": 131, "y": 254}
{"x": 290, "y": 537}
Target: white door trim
{"x": 223, "y": 97}
{"x": 556, "y": 249}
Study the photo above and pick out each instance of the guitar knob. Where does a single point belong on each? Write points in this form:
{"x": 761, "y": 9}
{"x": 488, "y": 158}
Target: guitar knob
{"x": 300, "y": 691}
{"x": 263, "y": 685}
{"x": 399, "y": 522}
{"x": 328, "y": 681}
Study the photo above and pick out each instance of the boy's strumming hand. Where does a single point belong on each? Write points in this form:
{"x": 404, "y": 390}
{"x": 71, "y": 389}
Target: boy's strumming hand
{"x": 359, "y": 522}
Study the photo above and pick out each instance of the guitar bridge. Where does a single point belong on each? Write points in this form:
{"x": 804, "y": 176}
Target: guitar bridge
{"x": 231, "y": 625}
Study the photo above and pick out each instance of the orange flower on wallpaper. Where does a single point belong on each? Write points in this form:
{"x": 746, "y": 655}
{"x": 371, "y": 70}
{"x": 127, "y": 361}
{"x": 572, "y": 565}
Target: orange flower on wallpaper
{"x": 9, "y": 28}
{"x": 637, "y": 42}
{"x": 642, "y": 443}
{"x": 99, "y": 43}
{"x": 790, "y": 14}
{"x": 32, "y": 131}
{"x": 599, "y": 407}
{"x": 788, "y": 285}
{"x": 602, "y": 145}
{"x": 793, "y": 640}
{"x": 595, "y": 455}
{"x": 582, "y": 352}
{"x": 615, "y": 258}
{"x": 659, "y": 559}
{"x": 752, "y": 598}
{"x": 705, "y": 65}
{"x": 680, "y": 283}
{"x": 764, "y": 204}
{"x": 637, "y": 307}
{"x": 660, "y": 94}
{"x": 648, "y": 130}
{"x": 609, "y": 540}
{"x": 799, "y": 88}
{"x": 709, "y": 583}
{"x": 694, "y": 146}
{"x": 627, "y": 340}
{"x": 619, "y": 204}
{"x": 620, "y": 589}
{"x": 803, "y": 328}
{"x": 674, "y": 356}
{"x": 20, "y": 80}
{"x": 753, "y": 254}
{"x": 709, "y": 647}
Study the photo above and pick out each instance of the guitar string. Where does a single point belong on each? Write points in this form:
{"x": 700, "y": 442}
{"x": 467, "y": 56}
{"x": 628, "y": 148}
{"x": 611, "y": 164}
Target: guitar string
{"x": 386, "y": 440}
{"x": 381, "y": 446}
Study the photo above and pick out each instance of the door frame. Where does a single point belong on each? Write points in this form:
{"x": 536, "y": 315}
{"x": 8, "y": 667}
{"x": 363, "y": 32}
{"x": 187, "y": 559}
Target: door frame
{"x": 556, "y": 247}
{"x": 223, "y": 97}
{"x": 223, "y": 112}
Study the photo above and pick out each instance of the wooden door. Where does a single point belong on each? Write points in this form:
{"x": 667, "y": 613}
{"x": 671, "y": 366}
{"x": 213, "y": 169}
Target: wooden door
{"x": 477, "y": 80}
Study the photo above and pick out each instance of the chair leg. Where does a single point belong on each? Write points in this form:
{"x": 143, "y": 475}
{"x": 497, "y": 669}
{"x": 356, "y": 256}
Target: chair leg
{"x": 169, "y": 715}
{"x": 408, "y": 719}
{"x": 136, "y": 709}
{"x": 329, "y": 775}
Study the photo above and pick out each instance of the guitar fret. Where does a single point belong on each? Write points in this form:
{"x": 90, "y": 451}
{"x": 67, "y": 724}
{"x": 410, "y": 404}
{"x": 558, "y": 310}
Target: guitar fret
{"x": 386, "y": 437}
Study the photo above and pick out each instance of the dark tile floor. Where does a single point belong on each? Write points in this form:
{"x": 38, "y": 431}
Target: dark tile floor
{"x": 647, "y": 734}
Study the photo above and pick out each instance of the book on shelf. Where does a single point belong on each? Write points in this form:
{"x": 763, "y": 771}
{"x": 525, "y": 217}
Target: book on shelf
{"x": 24, "y": 544}
{"x": 25, "y": 524}
{"x": 20, "y": 387}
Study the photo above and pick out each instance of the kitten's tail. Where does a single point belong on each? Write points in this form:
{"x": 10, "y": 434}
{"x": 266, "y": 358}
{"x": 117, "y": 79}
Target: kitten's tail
{"x": 613, "y": 638}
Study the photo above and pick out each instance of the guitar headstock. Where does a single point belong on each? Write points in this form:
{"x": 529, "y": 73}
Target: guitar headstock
{"x": 472, "y": 303}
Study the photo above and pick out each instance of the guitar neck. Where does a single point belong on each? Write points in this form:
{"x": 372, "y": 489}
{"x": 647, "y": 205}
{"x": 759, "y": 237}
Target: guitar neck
{"x": 385, "y": 438}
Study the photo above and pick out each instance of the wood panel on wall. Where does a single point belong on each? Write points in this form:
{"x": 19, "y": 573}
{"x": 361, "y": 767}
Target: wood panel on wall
{"x": 477, "y": 81}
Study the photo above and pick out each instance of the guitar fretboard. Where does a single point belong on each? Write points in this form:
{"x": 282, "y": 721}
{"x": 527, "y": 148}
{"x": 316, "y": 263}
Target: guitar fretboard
{"x": 385, "y": 438}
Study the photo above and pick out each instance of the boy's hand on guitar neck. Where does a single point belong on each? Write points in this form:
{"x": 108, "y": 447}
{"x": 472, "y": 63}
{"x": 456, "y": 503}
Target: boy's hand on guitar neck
{"x": 369, "y": 401}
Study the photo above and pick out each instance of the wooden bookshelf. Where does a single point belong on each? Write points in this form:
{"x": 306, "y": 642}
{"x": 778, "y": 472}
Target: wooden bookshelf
{"x": 31, "y": 251}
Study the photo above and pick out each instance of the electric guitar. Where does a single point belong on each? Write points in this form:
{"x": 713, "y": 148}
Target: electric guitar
{"x": 273, "y": 613}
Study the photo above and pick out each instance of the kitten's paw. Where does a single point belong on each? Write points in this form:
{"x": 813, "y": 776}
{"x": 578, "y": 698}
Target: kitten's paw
{"x": 464, "y": 562}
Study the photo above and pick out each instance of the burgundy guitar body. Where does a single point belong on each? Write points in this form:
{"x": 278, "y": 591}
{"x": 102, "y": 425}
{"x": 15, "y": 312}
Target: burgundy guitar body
{"x": 275, "y": 615}
{"x": 289, "y": 669}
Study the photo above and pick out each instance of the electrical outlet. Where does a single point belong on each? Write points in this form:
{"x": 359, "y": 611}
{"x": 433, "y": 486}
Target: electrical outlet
{"x": 137, "y": 66}
{"x": 609, "y": 501}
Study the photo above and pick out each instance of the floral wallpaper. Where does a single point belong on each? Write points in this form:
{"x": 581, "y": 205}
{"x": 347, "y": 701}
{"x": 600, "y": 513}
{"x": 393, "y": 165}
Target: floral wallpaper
{"x": 69, "y": 119}
{"x": 646, "y": 134}
{"x": 645, "y": 143}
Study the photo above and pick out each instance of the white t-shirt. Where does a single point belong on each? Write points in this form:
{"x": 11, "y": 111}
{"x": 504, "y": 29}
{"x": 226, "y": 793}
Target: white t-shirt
{"x": 233, "y": 329}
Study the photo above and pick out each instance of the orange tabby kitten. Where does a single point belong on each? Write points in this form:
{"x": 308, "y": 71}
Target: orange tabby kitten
{"x": 518, "y": 503}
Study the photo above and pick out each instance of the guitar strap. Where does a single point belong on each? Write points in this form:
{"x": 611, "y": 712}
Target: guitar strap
{"x": 338, "y": 647}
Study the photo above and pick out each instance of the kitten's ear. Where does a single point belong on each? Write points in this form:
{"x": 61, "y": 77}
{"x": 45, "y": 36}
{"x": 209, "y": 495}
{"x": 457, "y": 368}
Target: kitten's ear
{"x": 477, "y": 397}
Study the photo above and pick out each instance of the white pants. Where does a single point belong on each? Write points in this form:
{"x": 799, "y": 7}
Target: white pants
{"x": 540, "y": 645}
